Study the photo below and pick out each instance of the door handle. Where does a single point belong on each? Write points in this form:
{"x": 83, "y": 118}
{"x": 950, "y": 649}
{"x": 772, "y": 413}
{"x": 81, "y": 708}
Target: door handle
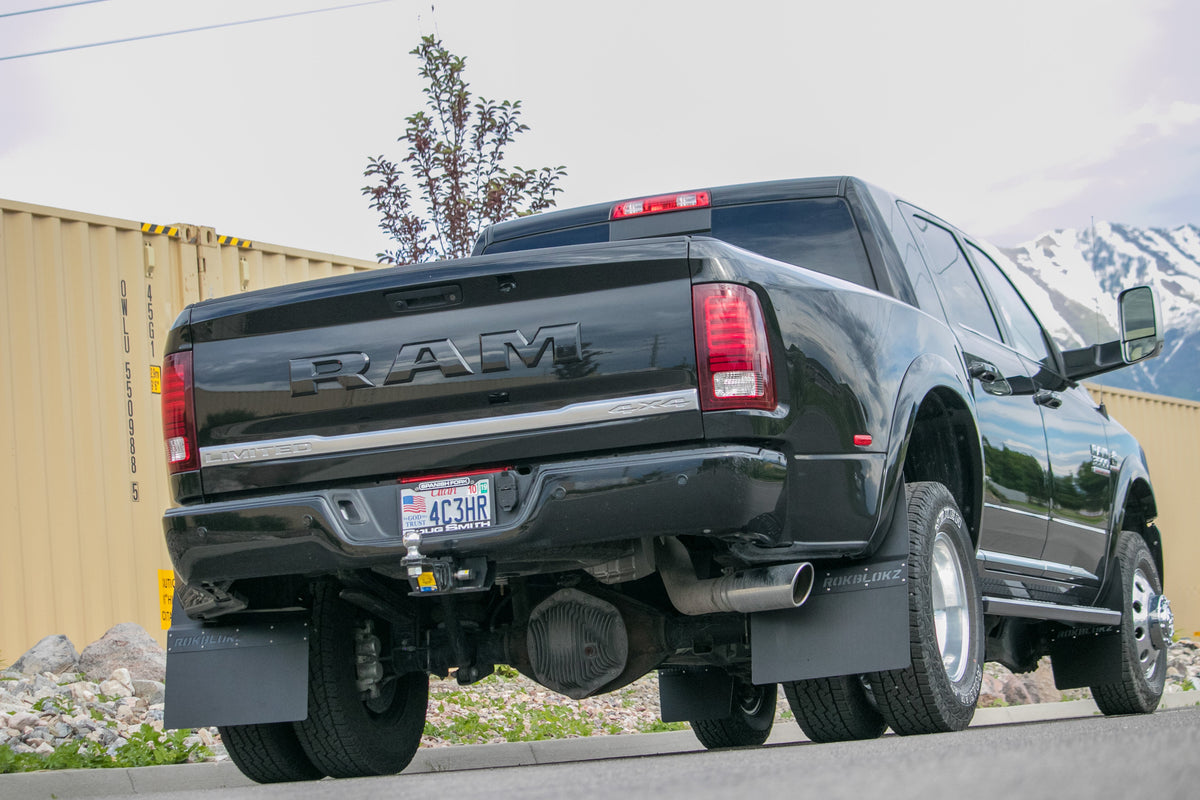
{"x": 1047, "y": 398}
{"x": 983, "y": 371}
{"x": 990, "y": 378}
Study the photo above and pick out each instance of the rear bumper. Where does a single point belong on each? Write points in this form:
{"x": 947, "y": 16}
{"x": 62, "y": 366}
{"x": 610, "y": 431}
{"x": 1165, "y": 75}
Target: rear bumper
{"x": 707, "y": 491}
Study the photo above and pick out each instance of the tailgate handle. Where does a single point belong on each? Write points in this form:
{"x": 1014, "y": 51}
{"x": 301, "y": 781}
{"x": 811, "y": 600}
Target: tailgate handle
{"x": 422, "y": 299}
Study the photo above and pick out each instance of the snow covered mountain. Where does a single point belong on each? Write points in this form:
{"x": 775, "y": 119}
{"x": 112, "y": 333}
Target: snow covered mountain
{"x": 1072, "y": 284}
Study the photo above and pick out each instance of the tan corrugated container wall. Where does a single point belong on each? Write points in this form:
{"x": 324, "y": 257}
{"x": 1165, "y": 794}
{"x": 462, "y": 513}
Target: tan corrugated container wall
{"x": 85, "y": 306}
{"x": 1169, "y": 432}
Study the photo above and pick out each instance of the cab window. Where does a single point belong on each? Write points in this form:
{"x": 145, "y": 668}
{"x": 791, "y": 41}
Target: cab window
{"x": 1025, "y": 332}
{"x": 818, "y": 234}
{"x": 963, "y": 297}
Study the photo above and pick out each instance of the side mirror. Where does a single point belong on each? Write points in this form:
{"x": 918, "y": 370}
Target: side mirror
{"x": 1141, "y": 337}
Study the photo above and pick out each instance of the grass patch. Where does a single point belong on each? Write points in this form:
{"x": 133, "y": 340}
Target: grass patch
{"x": 658, "y": 726}
{"x": 481, "y": 721}
{"x": 145, "y": 747}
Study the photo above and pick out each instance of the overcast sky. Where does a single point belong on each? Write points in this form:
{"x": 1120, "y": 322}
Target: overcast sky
{"x": 1008, "y": 119}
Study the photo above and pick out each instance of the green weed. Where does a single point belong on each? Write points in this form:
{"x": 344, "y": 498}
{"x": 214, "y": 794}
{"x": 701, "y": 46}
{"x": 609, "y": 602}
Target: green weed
{"x": 149, "y": 747}
{"x": 145, "y": 747}
{"x": 60, "y": 704}
{"x": 658, "y": 726}
{"x": 510, "y": 721}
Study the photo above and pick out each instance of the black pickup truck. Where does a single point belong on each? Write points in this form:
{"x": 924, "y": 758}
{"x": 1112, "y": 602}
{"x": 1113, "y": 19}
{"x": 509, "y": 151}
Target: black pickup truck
{"x": 797, "y": 433}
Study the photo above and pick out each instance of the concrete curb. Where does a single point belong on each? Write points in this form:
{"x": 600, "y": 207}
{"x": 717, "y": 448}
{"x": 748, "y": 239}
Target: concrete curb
{"x": 76, "y": 784}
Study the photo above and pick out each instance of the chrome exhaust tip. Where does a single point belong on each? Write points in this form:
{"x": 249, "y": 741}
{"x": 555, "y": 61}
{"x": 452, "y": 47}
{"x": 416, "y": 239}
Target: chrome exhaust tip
{"x": 757, "y": 589}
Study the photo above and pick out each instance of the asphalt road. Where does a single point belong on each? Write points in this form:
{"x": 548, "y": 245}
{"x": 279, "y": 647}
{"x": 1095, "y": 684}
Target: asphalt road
{"x": 1147, "y": 757}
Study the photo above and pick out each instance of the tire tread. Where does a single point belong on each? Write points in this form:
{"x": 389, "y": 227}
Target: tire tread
{"x": 738, "y": 730}
{"x": 335, "y": 736}
{"x": 1132, "y": 694}
{"x": 834, "y": 709}
{"x": 907, "y": 698}
{"x": 268, "y": 753}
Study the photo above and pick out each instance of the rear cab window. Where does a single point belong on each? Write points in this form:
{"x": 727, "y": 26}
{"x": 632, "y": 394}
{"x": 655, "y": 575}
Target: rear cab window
{"x": 815, "y": 233}
{"x": 590, "y": 234}
{"x": 818, "y": 234}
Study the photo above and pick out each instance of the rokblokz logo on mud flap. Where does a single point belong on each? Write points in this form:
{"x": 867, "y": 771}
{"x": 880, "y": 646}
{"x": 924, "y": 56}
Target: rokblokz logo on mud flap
{"x": 872, "y": 576}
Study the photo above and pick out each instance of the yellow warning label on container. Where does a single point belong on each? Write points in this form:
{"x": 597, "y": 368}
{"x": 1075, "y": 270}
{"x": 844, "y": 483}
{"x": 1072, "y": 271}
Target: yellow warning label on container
{"x": 168, "y": 230}
{"x": 156, "y": 380}
{"x": 166, "y": 595}
{"x": 234, "y": 241}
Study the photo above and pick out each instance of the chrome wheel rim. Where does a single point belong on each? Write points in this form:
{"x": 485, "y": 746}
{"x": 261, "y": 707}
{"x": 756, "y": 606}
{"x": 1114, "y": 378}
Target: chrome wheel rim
{"x": 1142, "y": 594}
{"x": 951, "y": 615}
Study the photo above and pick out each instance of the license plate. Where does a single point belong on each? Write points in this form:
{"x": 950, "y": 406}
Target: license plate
{"x": 446, "y": 505}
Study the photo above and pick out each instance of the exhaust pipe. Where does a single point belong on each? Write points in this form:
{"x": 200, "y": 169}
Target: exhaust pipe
{"x": 755, "y": 589}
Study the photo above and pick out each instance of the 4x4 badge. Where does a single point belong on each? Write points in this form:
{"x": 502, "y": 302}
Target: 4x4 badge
{"x": 635, "y": 407}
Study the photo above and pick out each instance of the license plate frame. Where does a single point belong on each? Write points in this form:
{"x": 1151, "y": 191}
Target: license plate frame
{"x": 447, "y": 505}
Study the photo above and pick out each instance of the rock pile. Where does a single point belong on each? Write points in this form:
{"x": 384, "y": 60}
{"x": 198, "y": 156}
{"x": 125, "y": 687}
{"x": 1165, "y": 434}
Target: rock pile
{"x": 52, "y": 695}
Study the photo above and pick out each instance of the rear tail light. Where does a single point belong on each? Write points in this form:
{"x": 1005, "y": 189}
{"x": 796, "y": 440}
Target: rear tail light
{"x": 681, "y": 201}
{"x": 179, "y": 423}
{"x": 731, "y": 348}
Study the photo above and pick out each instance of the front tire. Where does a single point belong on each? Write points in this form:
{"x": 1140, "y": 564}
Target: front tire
{"x": 750, "y": 723}
{"x": 346, "y": 734}
{"x": 938, "y": 691}
{"x": 1143, "y": 649}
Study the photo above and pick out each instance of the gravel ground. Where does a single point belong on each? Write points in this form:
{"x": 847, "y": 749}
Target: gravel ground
{"x": 502, "y": 703}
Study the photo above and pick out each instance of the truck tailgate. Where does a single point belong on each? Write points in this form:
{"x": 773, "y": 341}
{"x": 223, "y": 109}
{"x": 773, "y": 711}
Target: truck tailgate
{"x": 484, "y": 361}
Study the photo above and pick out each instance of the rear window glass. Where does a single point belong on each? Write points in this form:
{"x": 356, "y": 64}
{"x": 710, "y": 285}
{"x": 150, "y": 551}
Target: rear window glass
{"x": 589, "y": 234}
{"x": 817, "y": 234}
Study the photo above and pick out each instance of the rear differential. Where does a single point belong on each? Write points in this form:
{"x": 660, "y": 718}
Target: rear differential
{"x": 577, "y": 643}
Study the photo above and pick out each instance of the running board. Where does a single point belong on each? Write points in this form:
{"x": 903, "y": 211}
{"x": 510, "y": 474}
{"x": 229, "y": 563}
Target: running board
{"x": 1031, "y": 609}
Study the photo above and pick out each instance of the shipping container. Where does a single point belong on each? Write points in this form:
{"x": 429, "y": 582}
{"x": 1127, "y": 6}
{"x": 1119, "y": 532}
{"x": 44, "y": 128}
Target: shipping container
{"x": 85, "y": 306}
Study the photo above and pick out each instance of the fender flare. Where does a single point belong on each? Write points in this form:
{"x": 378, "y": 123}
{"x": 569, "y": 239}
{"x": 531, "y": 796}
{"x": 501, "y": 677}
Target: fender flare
{"x": 928, "y": 373}
{"x": 1133, "y": 475}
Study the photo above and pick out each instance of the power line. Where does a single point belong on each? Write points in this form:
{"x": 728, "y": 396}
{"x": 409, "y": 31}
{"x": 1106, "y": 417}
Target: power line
{"x": 49, "y": 8}
{"x": 191, "y": 30}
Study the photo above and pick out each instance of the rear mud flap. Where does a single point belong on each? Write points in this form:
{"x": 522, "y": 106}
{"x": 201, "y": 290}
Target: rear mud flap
{"x": 254, "y": 670}
{"x": 1086, "y": 656}
{"x": 695, "y": 693}
{"x": 855, "y": 620}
